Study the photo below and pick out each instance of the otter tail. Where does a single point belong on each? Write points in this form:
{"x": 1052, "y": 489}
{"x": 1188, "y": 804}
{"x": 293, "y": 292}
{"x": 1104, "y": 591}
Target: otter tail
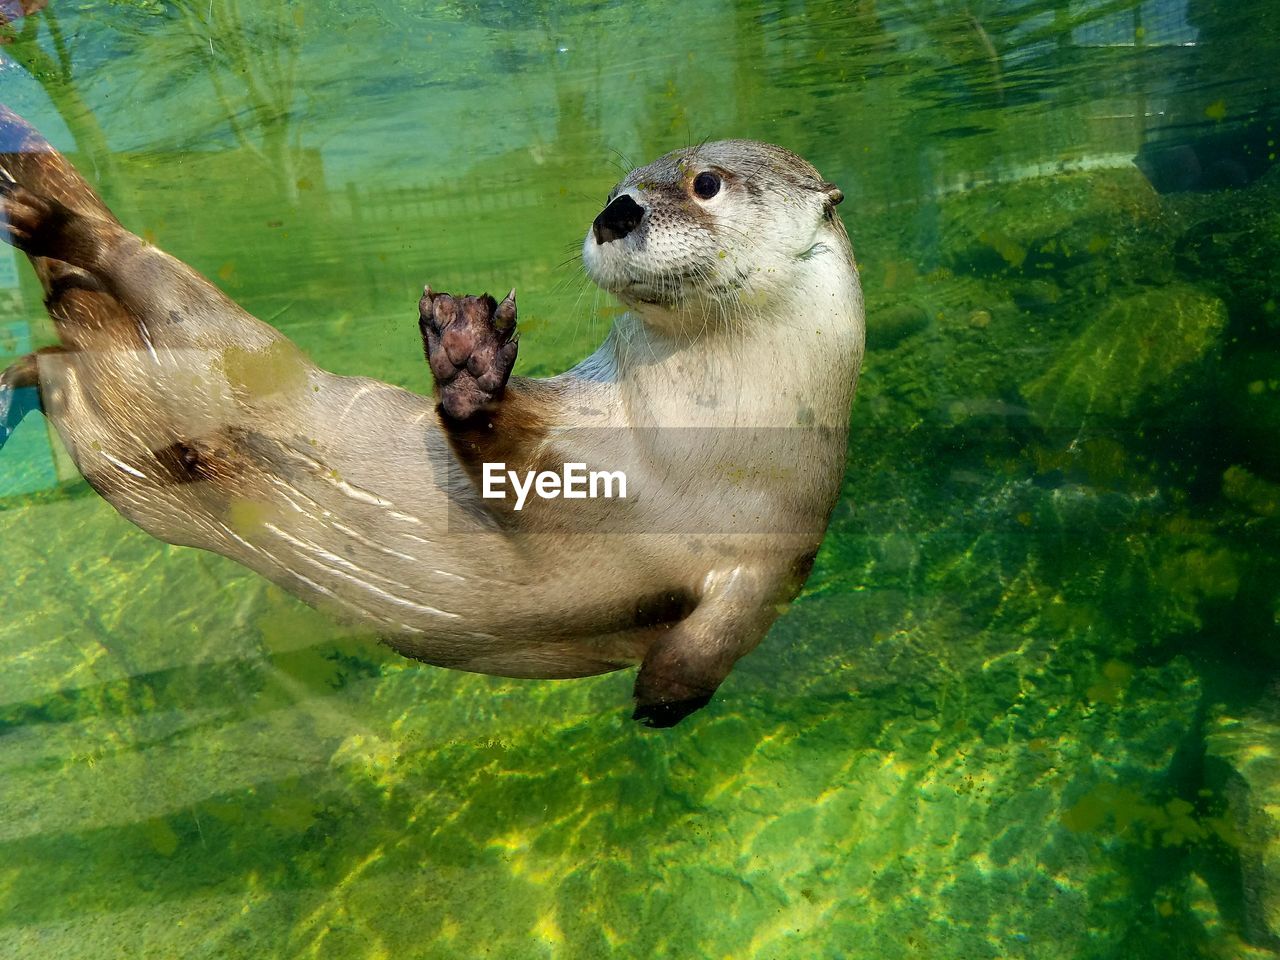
{"x": 84, "y": 314}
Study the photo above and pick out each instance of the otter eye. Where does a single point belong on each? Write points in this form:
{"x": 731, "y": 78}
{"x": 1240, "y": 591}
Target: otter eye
{"x": 706, "y": 184}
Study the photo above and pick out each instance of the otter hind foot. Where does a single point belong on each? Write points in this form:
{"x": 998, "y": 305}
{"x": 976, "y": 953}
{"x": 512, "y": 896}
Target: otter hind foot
{"x": 30, "y": 222}
{"x": 471, "y": 347}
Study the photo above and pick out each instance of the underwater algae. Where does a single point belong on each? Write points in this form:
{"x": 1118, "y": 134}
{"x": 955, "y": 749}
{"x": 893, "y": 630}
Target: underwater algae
{"x": 1098, "y": 497}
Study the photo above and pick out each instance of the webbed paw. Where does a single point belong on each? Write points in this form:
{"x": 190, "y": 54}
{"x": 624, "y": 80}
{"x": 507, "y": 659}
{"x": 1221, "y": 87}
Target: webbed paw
{"x": 471, "y": 347}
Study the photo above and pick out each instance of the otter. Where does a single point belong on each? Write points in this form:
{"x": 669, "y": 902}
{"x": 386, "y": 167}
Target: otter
{"x": 723, "y": 393}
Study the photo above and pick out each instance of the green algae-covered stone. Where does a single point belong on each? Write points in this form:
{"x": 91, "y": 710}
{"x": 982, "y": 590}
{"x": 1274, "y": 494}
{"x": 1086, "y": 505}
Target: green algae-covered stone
{"x": 1098, "y": 217}
{"x": 1250, "y": 748}
{"x": 1232, "y": 246}
{"x": 895, "y": 323}
{"x": 1140, "y": 353}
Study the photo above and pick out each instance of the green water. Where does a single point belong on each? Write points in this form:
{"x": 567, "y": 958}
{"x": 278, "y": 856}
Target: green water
{"x": 1027, "y": 703}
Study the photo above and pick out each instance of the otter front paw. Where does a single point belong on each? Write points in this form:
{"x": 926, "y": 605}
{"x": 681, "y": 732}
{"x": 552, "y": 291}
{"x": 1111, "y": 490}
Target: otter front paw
{"x": 471, "y": 347}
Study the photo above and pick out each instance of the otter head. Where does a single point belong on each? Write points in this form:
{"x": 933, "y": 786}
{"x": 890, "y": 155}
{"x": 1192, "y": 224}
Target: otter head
{"x": 705, "y": 234}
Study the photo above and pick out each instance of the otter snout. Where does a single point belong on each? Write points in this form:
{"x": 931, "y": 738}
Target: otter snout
{"x": 617, "y": 219}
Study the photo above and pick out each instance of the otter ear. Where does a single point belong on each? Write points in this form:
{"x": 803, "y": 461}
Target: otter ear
{"x": 834, "y": 194}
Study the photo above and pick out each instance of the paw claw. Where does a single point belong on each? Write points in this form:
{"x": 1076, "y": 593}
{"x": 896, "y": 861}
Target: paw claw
{"x": 470, "y": 348}
{"x": 504, "y": 318}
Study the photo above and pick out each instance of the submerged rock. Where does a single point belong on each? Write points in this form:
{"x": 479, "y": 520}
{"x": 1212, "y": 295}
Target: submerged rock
{"x": 1233, "y": 247}
{"x": 1254, "y": 494}
{"x": 1106, "y": 219}
{"x": 1250, "y": 747}
{"x": 893, "y": 324}
{"x": 1140, "y": 353}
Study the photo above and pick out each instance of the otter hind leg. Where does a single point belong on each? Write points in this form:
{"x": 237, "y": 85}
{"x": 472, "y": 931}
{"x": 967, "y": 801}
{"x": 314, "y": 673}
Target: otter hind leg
{"x": 471, "y": 347}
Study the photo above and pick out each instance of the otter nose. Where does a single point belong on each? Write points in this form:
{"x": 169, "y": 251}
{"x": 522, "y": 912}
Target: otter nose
{"x": 617, "y": 219}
